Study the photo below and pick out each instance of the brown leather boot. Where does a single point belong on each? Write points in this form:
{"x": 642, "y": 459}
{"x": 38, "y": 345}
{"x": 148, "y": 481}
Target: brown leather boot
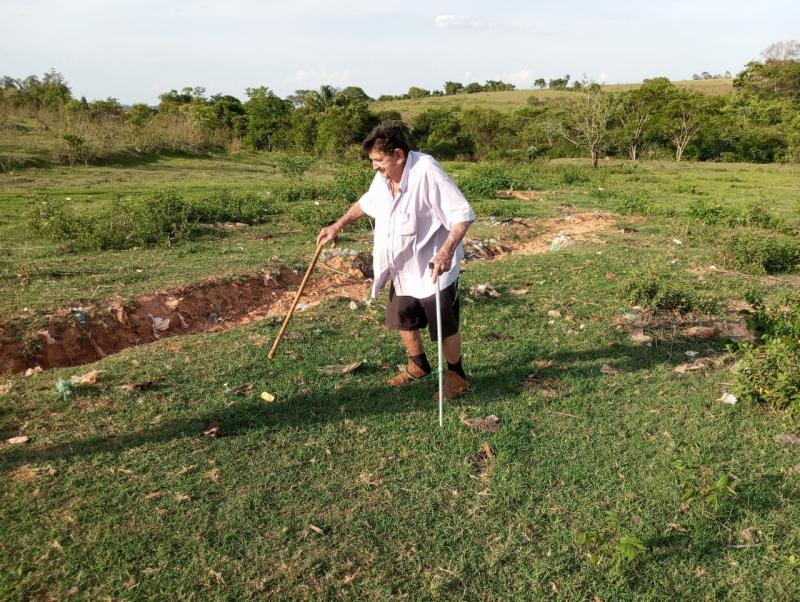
{"x": 407, "y": 374}
{"x": 454, "y": 386}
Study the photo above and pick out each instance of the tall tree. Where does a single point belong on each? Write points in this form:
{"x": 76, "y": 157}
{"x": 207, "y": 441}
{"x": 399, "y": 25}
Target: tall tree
{"x": 586, "y": 120}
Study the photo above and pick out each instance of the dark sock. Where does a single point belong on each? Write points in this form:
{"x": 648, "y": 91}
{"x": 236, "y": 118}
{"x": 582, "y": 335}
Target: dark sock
{"x": 422, "y": 362}
{"x": 457, "y": 368}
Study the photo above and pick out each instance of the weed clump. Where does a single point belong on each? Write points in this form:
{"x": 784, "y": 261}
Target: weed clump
{"x": 350, "y": 182}
{"x": 635, "y": 203}
{"x": 661, "y": 291}
{"x": 769, "y": 371}
{"x": 313, "y": 216}
{"x": 163, "y": 218}
{"x": 753, "y": 214}
{"x": 755, "y": 251}
{"x": 231, "y": 206}
{"x": 497, "y": 208}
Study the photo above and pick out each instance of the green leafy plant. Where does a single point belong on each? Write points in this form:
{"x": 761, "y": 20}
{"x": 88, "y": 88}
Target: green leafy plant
{"x": 768, "y": 372}
{"x": 608, "y": 543}
{"x": 756, "y": 251}
{"x": 662, "y": 291}
{"x": 699, "y": 485}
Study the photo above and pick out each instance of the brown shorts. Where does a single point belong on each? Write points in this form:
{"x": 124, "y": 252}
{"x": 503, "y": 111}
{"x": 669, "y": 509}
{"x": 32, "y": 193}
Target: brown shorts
{"x": 409, "y": 313}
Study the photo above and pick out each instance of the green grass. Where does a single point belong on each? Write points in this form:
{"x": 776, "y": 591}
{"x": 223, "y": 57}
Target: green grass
{"x": 119, "y": 494}
{"x": 506, "y": 101}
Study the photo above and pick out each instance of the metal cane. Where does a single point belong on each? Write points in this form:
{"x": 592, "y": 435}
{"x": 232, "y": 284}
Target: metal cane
{"x": 439, "y": 345}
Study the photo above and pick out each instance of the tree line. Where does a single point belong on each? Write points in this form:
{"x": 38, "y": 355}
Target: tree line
{"x": 758, "y": 122}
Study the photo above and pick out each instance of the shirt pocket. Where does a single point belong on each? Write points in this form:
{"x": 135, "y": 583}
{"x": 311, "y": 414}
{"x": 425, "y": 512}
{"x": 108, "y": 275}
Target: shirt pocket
{"x": 406, "y": 224}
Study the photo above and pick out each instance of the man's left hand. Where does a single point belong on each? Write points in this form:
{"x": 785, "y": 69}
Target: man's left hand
{"x": 441, "y": 263}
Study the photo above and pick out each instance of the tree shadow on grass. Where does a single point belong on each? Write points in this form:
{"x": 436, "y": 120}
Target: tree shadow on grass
{"x": 354, "y": 399}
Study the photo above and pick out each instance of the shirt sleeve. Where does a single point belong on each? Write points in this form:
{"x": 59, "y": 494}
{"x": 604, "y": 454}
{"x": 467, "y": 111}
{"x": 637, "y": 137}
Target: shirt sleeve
{"x": 367, "y": 203}
{"x": 447, "y": 201}
{"x": 368, "y": 200}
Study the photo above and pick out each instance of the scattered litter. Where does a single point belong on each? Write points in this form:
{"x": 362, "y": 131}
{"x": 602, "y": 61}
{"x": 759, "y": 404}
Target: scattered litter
{"x": 213, "y": 431}
{"x": 32, "y": 371}
{"x": 268, "y": 397}
{"x": 690, "y": 354}
{"x": 63, "y": 388}
{"x": 728, "y": 398}
{"x": 338, "y": 369}
{"x": 735, "y": 331}
{"x": 159, "y": 324}
{"x": 484, "y": 290}
{"x": 485, "y": 424}
{"x": 639, "y": 337}
{"x": 699, "y": 365}
{"x": 48, "y": 338}
{"x": 608, "y": 370}
{"x": 17, "y": 440}
{"x": 80, "y": 315}
{"x": 561, "y": 241}
{"x": 677, "y": 241}
{"x": 787, "y": 439}
{"x": 700, "y": 332}
{"x": 553, "y": 313}
{"x": 519, "y": 291}
{"x": 242, "y": 390}
{"x": 172, "y": 303}
{"x": 353, "y": 305}
{"x": 316, "y": 529}
{"x": 89, "y": 378}
{"x": 120, "y": 315}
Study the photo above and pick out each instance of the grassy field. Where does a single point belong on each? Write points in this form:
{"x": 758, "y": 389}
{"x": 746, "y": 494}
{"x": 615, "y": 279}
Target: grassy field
{"x": 622, "y": 482}
{"x": 506, "y": 101}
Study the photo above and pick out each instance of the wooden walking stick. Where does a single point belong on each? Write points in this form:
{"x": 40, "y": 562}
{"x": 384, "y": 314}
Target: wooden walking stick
{"x": 288, "y": 317}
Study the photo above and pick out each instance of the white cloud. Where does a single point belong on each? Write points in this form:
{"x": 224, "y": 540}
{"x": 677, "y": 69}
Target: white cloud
{"x": 454, "y": 22}
{"x": 320, "y": 75}
{"x": 522, "y": 78}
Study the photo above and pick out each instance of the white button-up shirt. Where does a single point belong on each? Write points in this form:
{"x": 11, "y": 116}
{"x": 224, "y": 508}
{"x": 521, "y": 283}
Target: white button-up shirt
{"x": 410, "y": 225}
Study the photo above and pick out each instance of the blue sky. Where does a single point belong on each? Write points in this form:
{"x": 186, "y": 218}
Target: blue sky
{"x": 136, "y": 49}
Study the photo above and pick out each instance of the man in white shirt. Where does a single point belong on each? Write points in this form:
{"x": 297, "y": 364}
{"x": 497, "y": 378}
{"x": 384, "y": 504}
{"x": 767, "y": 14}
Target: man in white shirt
{"x": 417, "y": 210}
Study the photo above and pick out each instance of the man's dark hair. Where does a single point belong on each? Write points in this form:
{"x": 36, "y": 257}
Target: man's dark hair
{"x": 386, "y": 137}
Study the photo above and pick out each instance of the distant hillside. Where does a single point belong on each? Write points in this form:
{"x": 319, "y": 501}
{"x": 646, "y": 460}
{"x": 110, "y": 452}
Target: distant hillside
{"x": 506, "y": 101}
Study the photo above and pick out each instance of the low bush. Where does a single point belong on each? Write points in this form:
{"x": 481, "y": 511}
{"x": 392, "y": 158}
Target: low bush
{"x": 163, "y": 218}
{"x": 497, "y": 208}
{"x": 753, "y": 214}
{"x": 635, "y": 203}
{"x": 231, "y": 206}
{"x": 768, "y": 372}
{"x": 575, "y": 175}
{"x": 313, "y": 216}
{"x": 759, "y": 252}
{"x": 664, "y": 291}
{"x": 351, "y": 181}
{"x": 293, "y": 166}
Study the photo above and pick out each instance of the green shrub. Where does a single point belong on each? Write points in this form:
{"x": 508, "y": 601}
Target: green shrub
{"x": 231, "y": 206}
{"x": 351, "y": 181}
{"x": 769, "y": 371}
{"x": 313, "y": 216}
{"x": 635, "y": 203}
{"x": 758, "y": 252}
{"x": 163, "y": 218}
{"x": 497, "y": 208}
{"x": 753, "y": 214}
{"x": 297, "y": 191}
{"x": 293, "y": 166}
{"x": 663, "y": 291}
{"x": 575, "y": 175}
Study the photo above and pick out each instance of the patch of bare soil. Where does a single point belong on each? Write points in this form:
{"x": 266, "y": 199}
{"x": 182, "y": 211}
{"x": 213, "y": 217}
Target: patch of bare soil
{"x": 81, "y": 335}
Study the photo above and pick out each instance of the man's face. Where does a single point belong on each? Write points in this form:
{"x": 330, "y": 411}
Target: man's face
{"x": 390, "y": 166}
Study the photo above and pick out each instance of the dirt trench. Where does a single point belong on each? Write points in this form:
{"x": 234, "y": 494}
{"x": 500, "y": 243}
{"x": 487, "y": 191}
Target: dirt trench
{"x": 81, "y": 335}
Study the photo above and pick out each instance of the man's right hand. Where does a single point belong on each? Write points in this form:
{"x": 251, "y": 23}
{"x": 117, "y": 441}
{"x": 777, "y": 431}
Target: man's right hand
{"x": 327, "y": 234}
